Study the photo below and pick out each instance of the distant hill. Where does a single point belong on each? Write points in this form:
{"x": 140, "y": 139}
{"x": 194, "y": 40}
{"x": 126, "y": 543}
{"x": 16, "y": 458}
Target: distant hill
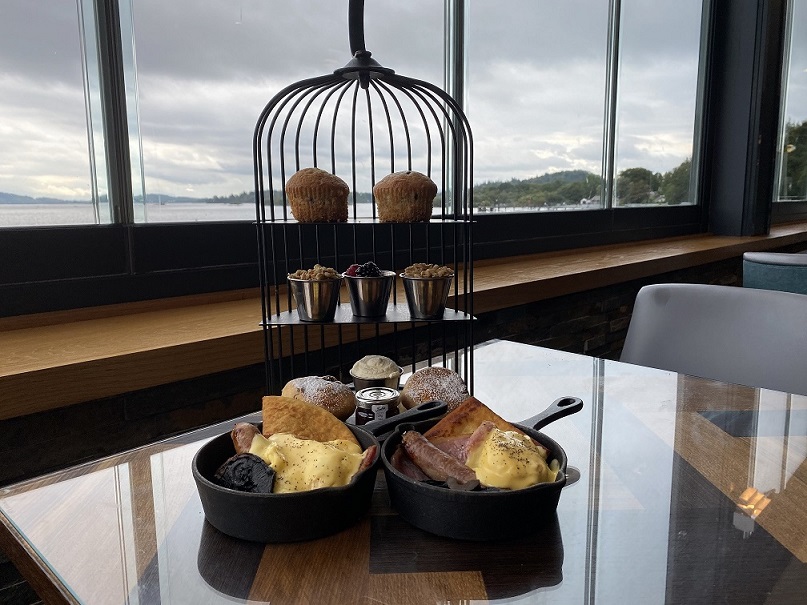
{"x": 565, "y": 187}
{"x": 160, "y": 198}
{"x": 13, "y": 198}
{"x": 564, "y": 176}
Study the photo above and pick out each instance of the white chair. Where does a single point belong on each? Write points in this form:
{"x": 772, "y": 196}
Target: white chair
{"x": 740, "y": 335}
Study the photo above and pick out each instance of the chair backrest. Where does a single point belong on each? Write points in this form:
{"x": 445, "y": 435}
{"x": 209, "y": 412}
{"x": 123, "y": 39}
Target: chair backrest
{"x": 740, "y": 335}
{"x": 775, "y": 271}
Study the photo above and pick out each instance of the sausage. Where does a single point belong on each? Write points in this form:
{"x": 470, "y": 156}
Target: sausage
{"x": 403, "y": 463}
{"x": 433, "y": 461}
{"x": 242, "y": 435}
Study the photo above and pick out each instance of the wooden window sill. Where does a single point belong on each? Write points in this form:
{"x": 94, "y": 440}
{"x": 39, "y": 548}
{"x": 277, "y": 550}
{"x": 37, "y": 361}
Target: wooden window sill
{"x": 59, "y": 359}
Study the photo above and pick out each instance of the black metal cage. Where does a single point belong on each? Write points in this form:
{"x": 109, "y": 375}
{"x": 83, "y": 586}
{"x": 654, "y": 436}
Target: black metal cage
{"x": 361, "y": 123}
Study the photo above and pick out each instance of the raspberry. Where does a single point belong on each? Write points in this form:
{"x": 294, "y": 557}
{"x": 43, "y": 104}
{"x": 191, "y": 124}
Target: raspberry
{"x": 351, "y": 270}
{"x": 369, "y": 269}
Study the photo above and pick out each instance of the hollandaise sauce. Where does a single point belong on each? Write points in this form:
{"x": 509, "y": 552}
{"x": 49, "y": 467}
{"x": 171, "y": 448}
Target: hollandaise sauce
{"x": 302, "y": 464}
{"x": 509, "y": 460}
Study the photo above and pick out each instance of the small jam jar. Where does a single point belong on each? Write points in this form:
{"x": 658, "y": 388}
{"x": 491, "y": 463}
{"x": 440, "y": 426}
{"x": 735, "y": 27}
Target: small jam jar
{"x": 375, "y": 403}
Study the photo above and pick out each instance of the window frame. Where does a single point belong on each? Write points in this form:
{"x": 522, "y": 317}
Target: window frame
{"x": 783, "y": 210}
{"x": 124, "y": 262}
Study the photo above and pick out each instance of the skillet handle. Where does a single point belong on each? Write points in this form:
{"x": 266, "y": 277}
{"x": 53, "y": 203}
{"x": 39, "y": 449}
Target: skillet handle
{"x": 564, "y": 406}
{"x": 425, "y": 411}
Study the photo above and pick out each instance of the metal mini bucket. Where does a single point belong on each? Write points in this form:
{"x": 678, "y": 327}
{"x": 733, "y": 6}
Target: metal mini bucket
{"x": 427, "y": 296}
{"x": 369, "y": 296}
{"x": 366, "y": 383}
{"x": 316, "y": 298}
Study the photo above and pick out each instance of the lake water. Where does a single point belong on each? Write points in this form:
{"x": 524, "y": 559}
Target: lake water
{"x": 30, "y": 215}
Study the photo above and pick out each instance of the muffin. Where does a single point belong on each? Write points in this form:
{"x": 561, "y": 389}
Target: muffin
{"x": 316, "y": 196}
{"x": 405, "y": 197}
{"x": 434, "y": 383}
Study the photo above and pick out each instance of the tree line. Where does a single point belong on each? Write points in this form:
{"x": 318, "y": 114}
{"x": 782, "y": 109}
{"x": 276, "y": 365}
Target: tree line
{"x": 564, "y": 188}
{"x": 793, "y": 177}
{"x": 633, "y": 186}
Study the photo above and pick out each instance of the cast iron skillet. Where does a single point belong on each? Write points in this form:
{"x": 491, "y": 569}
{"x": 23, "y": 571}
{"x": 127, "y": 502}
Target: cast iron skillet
{"x": 298, "y": 516}
{"x": 480, "y": 515}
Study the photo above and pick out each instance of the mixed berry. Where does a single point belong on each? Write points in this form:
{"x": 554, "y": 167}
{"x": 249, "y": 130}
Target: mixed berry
{"x": 368, "y": 269}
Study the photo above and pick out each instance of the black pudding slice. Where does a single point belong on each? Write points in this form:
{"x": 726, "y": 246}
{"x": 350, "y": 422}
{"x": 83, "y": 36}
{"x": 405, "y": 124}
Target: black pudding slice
{"x": 246, "y": 473}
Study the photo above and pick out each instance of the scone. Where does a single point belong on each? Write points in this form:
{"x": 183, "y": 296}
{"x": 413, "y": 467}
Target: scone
{"x": 405, "y": 197}
{"x": 434, "y": 383}
{"x": 325, "y": 391}
{"x": 317, "y": 196}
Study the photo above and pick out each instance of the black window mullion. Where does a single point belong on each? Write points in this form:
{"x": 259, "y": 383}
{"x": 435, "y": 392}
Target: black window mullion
{"x": 113, "y": 100}
{"x": 611, "y": 104}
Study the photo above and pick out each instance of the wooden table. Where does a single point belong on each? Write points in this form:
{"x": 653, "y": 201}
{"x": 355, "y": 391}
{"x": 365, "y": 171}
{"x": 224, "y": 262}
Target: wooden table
{"x": 684, "y": 491}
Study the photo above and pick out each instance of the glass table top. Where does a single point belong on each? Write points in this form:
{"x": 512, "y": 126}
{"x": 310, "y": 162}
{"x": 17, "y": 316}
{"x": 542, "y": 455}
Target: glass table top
{"x": 681, "y": 490}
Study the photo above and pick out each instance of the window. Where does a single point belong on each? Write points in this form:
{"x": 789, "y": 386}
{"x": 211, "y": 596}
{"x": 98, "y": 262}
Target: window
{"x": 49, "y": 91}
{"x": 657, "y": 88}
{"x": 198, "y": 72}
{"x": 536, "y": 94}
{"x": 592, "y": 91}
{"x": 204, "y": 70}
{"x": 558, "y": 113}
{"x": 792, "y": 149}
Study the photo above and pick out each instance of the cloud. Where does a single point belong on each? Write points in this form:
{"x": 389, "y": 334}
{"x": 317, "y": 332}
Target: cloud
{"x": 206, "y": 68}
{"x": 41, "y": 44}
{"x": 44, "y": 135}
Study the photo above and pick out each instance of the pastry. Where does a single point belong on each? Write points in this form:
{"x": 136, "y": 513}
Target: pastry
{"x": 303, "y": 420}
{"x": 405, "y": 197}
{"x": 465, "y": 419}
{"x": 325, "y": 391}
{"x": 317, "y": 196}
{"x": 434, "y": 383}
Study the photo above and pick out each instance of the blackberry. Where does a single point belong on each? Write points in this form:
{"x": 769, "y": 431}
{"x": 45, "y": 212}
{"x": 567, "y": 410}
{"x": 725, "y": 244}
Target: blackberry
{"x": 369, "y": 269}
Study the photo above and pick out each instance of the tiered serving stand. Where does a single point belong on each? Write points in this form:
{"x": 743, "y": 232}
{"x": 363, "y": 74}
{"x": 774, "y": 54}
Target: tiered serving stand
{"x": 361, "y": 123}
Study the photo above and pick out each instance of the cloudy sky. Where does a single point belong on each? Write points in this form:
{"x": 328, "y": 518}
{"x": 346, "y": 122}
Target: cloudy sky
{"x": 206, "y": 68}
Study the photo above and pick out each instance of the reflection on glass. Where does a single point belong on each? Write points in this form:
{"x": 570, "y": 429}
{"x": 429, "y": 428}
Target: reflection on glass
{"x": 46, "y": 164}
{"x": 203, "y": 78}
{"x": 687, "y": 489}
{"x": 657, "y": 84}
{"x": 536, "y": 86}
{"x": 638, "y": 478}
{"x": 792, "y": 154}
